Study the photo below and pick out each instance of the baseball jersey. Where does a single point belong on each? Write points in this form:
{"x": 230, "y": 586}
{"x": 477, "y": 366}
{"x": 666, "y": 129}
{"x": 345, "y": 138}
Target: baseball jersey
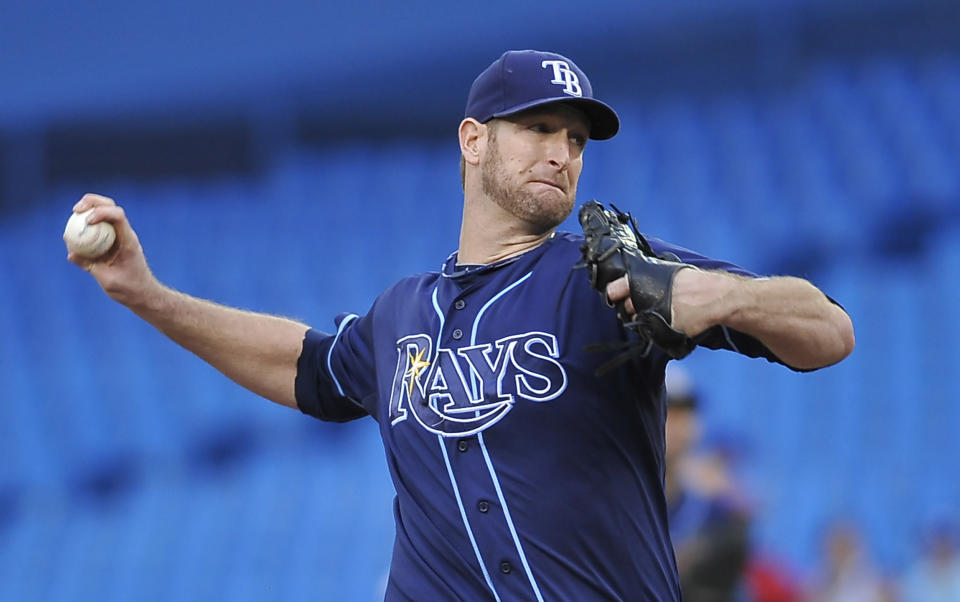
{"x": 519, "y": 473}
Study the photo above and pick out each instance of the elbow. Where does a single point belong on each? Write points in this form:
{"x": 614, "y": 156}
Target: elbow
{"x": 831, "y": 349}
{"x": 848, "y": 339}
{"x": 844, "y": 340}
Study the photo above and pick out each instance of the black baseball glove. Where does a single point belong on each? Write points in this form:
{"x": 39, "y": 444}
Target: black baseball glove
{"x": 614, "y": 247}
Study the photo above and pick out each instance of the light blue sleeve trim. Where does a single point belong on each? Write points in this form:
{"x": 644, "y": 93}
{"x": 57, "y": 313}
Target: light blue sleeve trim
{"x": 343, "y": 324}
{"x": 726, "y": 335}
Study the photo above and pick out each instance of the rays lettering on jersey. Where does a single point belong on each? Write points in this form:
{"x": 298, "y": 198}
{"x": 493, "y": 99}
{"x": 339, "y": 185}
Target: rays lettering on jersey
{"x": 466, "y": 390}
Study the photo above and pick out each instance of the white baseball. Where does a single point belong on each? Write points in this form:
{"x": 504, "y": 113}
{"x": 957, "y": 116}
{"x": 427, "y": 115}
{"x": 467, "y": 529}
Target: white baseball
{"x": 88, "y": 240}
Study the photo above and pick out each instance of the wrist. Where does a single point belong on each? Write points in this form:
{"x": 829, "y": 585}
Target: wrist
{"x": 702, "y": 299}
{"x": 149, "y": 299}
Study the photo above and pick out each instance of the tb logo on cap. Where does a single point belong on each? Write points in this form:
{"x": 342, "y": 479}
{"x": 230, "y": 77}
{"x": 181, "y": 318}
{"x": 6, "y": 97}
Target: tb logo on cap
{"x": 564, "y": 75}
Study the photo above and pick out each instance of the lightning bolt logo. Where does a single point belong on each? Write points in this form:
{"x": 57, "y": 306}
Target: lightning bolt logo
{"x": 417, "y": 365}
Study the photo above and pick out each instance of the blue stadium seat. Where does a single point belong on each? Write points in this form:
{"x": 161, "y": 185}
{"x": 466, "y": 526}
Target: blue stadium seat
{"x": 905, "y": 114}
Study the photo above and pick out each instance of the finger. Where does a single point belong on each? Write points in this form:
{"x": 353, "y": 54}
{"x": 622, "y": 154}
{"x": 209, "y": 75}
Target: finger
{"x": 125, "y": 236}
{"x": 107, "y": 213}
{"x": 92, "y": 200}
{"x": 618, "y": 289}
{"x": 618, "y": 292}
{"x": 78, "y": 260}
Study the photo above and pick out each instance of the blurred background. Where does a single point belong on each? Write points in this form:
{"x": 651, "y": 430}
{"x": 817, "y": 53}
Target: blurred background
{"x": 298, "y": 157}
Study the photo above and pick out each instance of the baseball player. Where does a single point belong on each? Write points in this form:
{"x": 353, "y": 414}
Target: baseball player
{"x": 520, "y": 473}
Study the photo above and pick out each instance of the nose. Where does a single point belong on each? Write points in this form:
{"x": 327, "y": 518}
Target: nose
{"x": 558, "y": 149}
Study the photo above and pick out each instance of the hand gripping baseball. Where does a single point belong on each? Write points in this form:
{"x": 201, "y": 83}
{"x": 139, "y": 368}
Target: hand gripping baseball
{"x": 122, "y": 272}
{"x": 613, "y": 248}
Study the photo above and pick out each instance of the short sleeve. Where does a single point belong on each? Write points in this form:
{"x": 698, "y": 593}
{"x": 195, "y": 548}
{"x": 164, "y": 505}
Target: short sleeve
{"x": 335, "y": 372}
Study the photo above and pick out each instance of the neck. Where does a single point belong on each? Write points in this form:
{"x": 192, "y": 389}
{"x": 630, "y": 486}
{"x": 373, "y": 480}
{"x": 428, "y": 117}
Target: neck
{"x": 488, "y": 236}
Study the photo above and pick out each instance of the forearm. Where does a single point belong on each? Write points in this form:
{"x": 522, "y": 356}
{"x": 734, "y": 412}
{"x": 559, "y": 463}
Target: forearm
{"x": 789, "y": 315}
{"x": 257, "y": 351}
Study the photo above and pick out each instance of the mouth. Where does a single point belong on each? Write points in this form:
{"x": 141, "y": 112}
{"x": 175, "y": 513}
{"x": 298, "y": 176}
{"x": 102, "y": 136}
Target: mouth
{"x": 551, "y": 184}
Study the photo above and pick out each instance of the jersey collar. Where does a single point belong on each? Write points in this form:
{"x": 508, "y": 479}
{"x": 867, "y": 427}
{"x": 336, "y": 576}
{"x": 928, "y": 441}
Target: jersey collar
{"x": 454, "y": 270}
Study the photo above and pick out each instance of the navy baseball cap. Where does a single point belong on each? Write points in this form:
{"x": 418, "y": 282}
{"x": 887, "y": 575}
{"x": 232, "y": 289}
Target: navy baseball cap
{"x": 523, "y": 79}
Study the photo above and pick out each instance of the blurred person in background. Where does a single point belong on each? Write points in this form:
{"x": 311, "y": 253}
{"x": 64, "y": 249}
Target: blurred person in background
{"x": 935, "y": 577}
{"x": 708, "y": 512}
{"x": 769, "y": 579}
{"x": 847, "y": 573}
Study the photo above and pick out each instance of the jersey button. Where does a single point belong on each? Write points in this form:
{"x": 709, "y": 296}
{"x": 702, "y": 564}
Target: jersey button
{"x": 460, "y": 304}
{"x": 505, "y": 568}
{"x": 457, "y": 334}
{"x": 483, "y": 506}
{"x": 462, "y": 445}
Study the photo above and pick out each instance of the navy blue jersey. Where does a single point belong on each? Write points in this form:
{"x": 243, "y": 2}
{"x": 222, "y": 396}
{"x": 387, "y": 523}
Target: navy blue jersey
{"x": 520, "y": 474}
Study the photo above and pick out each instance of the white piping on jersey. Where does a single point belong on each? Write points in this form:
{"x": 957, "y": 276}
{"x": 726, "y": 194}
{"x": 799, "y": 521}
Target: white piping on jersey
{"x": 343, "y": 324}
{"x": 436, "y": 346}
{"x": 453, "y": 480}
{"x": 726, "y": 335}
{"x": 486, "y": 454}
{"x": 463, "y": 516}
{"x": 506, "y": 513}
{"x": 476, "y": 322}
{"x": 436, "y": 308}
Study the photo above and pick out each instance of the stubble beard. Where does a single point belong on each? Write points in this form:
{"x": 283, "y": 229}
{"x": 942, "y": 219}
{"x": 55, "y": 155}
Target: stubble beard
{"x": 542, "y": 214}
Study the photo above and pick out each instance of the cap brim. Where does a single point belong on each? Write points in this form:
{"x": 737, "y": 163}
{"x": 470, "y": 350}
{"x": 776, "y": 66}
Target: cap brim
{"x": 604, "y": 122}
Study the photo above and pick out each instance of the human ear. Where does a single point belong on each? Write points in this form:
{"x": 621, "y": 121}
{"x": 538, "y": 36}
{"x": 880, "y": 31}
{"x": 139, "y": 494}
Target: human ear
{"x": 471, "y": 133}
